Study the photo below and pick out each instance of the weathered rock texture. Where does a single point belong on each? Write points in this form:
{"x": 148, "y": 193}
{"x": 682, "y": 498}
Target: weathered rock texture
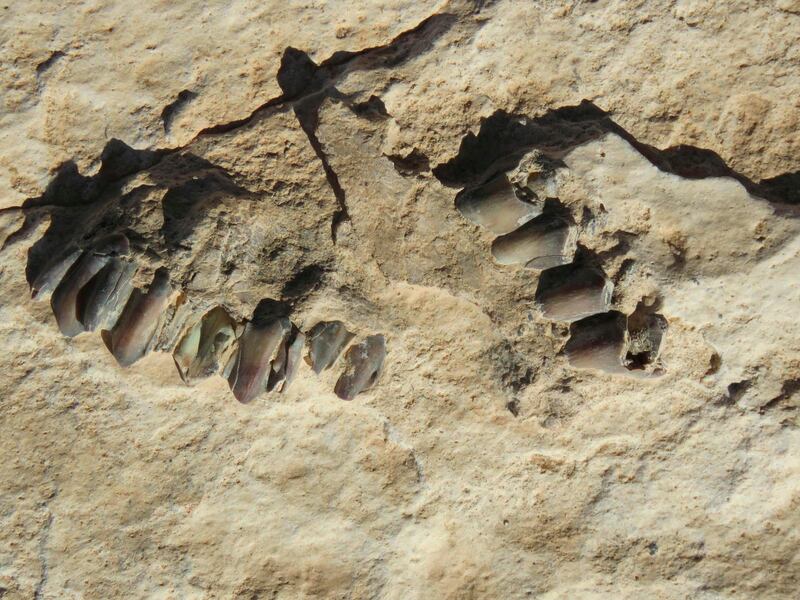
{"x": 507, "y": 293}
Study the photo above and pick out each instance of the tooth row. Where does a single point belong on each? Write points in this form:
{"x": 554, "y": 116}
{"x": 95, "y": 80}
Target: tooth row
{"x": 567, "y": 291}
{"x": 525, "y": 235}
{"x": 93, "y": 289}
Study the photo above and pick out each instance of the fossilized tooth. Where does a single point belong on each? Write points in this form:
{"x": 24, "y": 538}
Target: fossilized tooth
{"x": 204, "y": 347}
{"x": 65, "y": 296}
{"x": 187, "y": 350}
{"x": 598, "y": 342}
{"x": 284, "y": 365}
{"x": 494, "y": 205}
{"x": 102, "y": 299}
{"x": 539, "y": 243}
{"x": 572, "y": 292}
{"x": 175, "y": 319}
{"x": 49, "y": 277}
{"x": 294, "y": 353}
{"x": 130, "y": 338}
{"x": 364, "y": 365}
{"x": 253, "y": 360}
{"x": 278, "y": 367}
{"x": 326, "y": 340}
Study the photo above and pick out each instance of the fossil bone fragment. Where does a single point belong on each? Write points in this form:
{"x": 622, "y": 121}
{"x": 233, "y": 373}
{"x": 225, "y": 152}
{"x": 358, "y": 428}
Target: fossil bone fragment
{"x": 539, "y": 243}
{"x": 202, "y": 350}
{"x": 326, "y": 341}
{"x": 364, "y": 363}
{"x": 494, "y": 205}
{"x": 252, "y": 363}
{"x": 130, "y": 338}
{"x": 571, "y": 292}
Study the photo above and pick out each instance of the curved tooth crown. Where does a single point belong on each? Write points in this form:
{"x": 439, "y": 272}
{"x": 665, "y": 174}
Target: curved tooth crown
{"x": 47, "y": 280}
{"x": 326, "y": 341}
{"x": 203, "y": 348}
{"x": 364, "y": 366}
{"x": 101, "y": 301}
{"x": 64, "y": 300}
{"x": 494, "y": 205}
{"x": 538, "y": 244}
{"x": 253, "y": 362}
{"x": 130, "y": 338}
{"x": 571, "y": 292}
{"x": 598, "y": 342}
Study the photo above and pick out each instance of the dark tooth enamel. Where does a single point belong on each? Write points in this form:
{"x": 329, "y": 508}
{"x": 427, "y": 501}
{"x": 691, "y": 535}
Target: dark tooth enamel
{"x": 326, "y": 341}
{"x": 495, "y": 206}
{"x": 65, "y": 296}
{"x": 364, "y": 363}
{"x": 252, "y": 363}
{"x": 598, "y": 342}
{"x": 130, "y": 338}
{"x": 101, "y": 301}
{"x": 539, "y": 243}
{"x": 52, "y": 274}
{"x": 571, "y": 292}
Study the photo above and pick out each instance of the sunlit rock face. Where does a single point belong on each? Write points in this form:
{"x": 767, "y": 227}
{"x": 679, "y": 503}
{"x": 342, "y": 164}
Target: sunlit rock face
{"x": 400, "y": 300}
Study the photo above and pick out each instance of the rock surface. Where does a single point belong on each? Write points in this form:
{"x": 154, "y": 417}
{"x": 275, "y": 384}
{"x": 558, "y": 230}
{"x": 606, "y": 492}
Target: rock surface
{"x": 508, "y": 292}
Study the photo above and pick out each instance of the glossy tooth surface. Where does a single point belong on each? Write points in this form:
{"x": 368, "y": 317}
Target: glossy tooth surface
{"x": 571, "y": 292}
{"x": 131, "y": 336}
{"x": 598, "y": 342}
{"x": 49, "y": 277}
{"x": 539, "y": 243}
{"x": 65, "y": 296}
{"x": 364, "y": 363}
{"x": 253, "y": 360}
{"x": 101, "y": 301}
{"x": 494, "y": 205}
{"x": 204, "y": 347}
{"x": 326, "y": 341}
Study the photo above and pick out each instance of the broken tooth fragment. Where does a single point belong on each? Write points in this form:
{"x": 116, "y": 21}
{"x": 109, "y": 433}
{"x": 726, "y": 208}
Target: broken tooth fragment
{"x": 130, "y": 338}
{"x": 294, "y": 353}
{"x": 326, "y": 341}
{"x": 203, "y": 348}
{"x": 494, "y": 205}
{"x": 102, "y": 299}
{"x": 65, "y": 296}
{"x": 539, "y": 243}
{"x": 364, "y": 363}
{"x": 571, "y": 292}
{"x": 252, "y": 363}
{"x": 598, "y": 342}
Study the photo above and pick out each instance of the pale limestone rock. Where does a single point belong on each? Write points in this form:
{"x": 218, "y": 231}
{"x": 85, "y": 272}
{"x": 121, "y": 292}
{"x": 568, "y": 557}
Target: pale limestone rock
{"x": 486, "y": 458}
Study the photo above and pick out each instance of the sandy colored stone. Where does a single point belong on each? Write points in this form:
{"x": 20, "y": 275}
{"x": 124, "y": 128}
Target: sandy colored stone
{"x": 482, "y": 463}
